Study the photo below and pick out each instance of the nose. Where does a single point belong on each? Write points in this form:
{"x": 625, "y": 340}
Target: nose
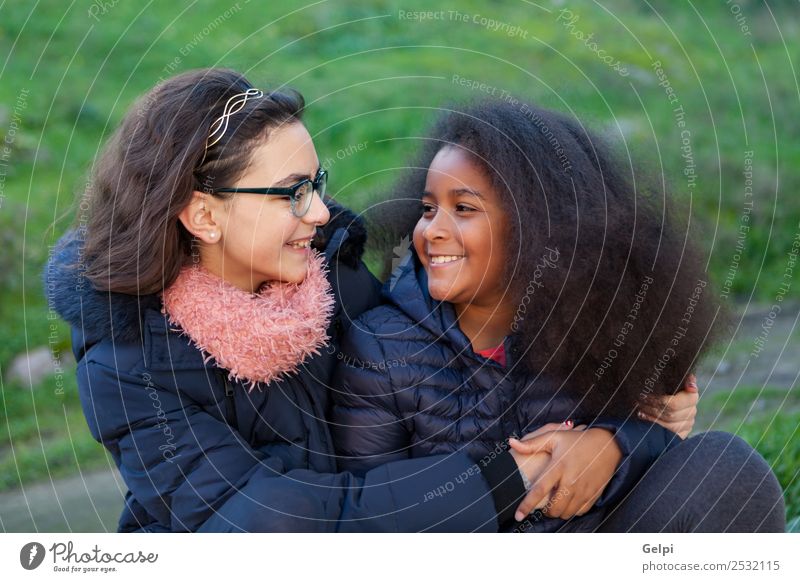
{"x": 318, "y": 214}
{"x": 439, "y": 227}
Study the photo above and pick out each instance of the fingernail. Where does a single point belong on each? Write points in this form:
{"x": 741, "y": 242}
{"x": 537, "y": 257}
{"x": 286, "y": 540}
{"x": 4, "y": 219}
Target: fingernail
{"x": 519, "y": 516}
{"x": 569, "y": 422}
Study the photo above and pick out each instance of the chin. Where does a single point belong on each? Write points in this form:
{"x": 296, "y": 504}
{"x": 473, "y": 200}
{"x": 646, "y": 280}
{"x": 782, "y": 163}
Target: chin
{"x": 440, "y": 292}
{"x": 296, "y": 277}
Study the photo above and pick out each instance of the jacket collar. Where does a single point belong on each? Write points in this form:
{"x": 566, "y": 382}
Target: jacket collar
{"x": 93, "y": 314}
{"x": 407, "y": 290}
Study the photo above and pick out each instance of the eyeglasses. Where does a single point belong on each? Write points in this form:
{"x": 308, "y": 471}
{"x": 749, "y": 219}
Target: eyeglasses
{"x": 300, "y": 195}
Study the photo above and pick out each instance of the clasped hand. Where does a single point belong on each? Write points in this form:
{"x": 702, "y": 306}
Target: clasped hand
{"x": 569, "y": 468}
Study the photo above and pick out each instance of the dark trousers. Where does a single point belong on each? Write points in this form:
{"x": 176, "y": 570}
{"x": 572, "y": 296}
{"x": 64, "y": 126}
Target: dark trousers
{"x": 711, "y": 482}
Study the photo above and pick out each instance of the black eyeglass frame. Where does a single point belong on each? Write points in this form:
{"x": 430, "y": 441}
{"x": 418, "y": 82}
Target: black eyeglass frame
{"x": 318, "y": 185}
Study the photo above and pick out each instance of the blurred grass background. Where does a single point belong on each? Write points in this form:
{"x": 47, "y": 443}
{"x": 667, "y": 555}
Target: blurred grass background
{"x": 373, "y": 77}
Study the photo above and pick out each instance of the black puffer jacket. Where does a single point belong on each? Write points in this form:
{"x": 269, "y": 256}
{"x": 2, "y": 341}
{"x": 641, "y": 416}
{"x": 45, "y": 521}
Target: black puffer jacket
{"x": 409, "y": 385}
{"x": 200, "y": 453}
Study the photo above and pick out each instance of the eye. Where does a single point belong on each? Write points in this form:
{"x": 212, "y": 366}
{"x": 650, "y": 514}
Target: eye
{"x": 427, "y": 208}
{"x": 305, "y": 190}
{"x": 465, "y": 208}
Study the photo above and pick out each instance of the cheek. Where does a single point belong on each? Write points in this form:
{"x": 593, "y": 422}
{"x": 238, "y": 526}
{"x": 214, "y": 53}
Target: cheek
{"x": 496, "y": 255}
{"x": 497, "y": 244}
{"x": 480, "y": 241}
{"x": 419, "y": 240}
{"x": 484, "y": 245}
{"x": 259, "y": 231}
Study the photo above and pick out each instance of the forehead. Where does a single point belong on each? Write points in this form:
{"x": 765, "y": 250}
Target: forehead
{"x": 454, "y": 168}
{"x": 453, "y": 158}
{"x": 288, "y": 149}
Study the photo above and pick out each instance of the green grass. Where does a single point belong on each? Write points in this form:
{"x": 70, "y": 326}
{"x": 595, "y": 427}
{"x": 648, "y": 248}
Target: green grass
{"x": 769, "y": 420}
{"x": 43, "y": 434}
{"x": 374, "y": 78}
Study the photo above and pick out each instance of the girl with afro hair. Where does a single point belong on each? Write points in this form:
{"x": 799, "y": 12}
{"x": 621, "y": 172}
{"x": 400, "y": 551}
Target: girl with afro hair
{"x": 546, "y": 290}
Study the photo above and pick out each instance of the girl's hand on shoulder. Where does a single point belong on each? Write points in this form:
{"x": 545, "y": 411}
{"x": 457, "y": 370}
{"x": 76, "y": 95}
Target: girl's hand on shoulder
{"x": 678, "y": 411}
{"x": 582, "y": 462}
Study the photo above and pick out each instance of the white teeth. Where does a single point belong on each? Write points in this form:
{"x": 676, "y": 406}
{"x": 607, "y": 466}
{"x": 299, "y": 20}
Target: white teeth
{"x": 438, "y": 260}
{"x": 303, "y": 244}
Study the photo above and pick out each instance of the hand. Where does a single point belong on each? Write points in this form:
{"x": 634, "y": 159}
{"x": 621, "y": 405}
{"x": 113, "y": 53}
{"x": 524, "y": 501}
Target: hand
{"x": 534, "y": 464}
{"x": 582, "y": 462}
{"x": 676, "y": 412}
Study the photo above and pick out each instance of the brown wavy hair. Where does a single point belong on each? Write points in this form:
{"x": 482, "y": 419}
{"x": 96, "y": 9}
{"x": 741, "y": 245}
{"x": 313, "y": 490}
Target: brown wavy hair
{"x": 627, "y": 309}
{"x": 149, "y": 168}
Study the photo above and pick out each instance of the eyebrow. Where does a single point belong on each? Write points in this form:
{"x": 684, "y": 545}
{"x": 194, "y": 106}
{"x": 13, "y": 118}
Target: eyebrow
{"x": 295, "y": 178}
{"x": 458, "y": 192}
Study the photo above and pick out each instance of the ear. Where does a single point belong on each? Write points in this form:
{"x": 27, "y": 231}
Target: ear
{"x": 199, "y": 218}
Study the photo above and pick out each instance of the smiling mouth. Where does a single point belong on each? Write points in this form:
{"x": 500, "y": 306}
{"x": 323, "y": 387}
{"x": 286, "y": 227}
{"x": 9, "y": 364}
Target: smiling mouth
{"x": 300, "y": 244}
{"x": 445, "y": 259}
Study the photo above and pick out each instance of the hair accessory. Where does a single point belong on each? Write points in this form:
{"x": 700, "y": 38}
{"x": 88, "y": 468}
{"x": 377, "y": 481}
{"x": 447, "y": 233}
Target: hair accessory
{"x": 233, "y": 105}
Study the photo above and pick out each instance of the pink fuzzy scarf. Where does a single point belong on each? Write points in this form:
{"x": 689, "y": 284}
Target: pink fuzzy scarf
{"x": 256, "y": 337}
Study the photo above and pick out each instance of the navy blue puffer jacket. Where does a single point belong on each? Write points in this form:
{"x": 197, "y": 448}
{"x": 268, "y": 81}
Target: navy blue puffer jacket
{"x": 199, "y": 453}
{"x": 409, "y": 385}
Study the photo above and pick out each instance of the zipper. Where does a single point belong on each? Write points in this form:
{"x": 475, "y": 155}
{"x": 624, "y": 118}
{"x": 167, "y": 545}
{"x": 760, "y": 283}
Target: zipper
{"x": 230, "y": 398}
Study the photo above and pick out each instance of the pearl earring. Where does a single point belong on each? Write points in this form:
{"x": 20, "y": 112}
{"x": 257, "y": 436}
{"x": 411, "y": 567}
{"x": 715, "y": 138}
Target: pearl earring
{"x": 212, "y": 234}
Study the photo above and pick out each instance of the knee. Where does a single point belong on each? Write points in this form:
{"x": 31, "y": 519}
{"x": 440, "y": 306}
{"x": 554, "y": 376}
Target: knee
{"x": 712, "y": 482}
{"x": 730, "y": 462}
{"x": 719, "y": 441}
{"x": 723, "y": 452}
